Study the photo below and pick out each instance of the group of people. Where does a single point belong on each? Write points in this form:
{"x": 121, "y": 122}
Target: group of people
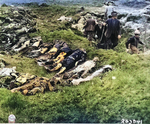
{"x": 110, "y": 33}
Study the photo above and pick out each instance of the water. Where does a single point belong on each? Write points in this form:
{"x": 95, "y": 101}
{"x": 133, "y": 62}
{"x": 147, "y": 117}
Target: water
{"x": 90, "y": 2}
{"x": 125, "y": 1}
{"x": 11, "y": 2}
{"x": 15, "y": 2}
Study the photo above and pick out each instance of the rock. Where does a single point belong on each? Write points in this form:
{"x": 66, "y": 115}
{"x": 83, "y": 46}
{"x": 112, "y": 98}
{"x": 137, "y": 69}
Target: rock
{"x": 20, "y": 42}
{"x": 5, "y": 81}
{"x": 97, "y": 13}
{"x": 1, "y": 22}
{"x": 7, "y": 71}
{"x": 4, "y": 5}
{"x": 43, "y": 5}
{"x": 2, "y": 63}
{"x": 80, "y": 10}
{"x": 15, "y": 22}
{"x": 79, "y": 26}
{"x": 63, "y": 18}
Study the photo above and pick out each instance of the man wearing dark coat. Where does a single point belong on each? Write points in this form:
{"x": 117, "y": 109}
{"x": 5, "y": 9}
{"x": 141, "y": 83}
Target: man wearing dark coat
{"x": 113, "y": 31}
{"x": 133, "y": 42}
{"x": 90, "y": 28}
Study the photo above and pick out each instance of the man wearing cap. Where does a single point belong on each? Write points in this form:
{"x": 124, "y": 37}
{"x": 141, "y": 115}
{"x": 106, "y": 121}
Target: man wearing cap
{"x": 113, "y": 31}
{"x": 90, "y": 28}
{"x": 133, "y": 42}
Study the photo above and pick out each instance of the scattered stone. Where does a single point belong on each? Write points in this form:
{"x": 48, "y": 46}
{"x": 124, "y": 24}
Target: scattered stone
{"x": 63, "y": 18}
{"x": 14, "y": 23}
{"x": 7, "y": 71}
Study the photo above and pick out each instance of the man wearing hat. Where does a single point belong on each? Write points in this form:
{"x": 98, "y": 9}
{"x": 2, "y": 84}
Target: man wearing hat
{"x": 113, "y": 31}
{"x": 89, "y": 29}
{"x": 133, "y": 42}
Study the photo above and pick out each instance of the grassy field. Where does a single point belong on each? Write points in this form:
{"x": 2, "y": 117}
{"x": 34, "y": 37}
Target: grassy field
{"x": 101, "y": 100}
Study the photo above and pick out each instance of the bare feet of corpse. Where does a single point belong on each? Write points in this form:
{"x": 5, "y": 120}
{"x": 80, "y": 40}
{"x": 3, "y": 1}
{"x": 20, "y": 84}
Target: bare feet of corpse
{"x": 75, "y": 82}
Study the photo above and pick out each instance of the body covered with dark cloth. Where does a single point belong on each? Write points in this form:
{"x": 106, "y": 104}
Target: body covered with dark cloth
{"x": 65, "y": 48}
{"x": 77, "y": 56}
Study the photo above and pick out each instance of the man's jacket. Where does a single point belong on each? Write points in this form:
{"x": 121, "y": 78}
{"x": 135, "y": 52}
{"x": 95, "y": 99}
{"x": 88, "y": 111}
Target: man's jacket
{"x": 133, "y": 41}
{"x": 90, "y": 25}
{"x": 113, "y": 27}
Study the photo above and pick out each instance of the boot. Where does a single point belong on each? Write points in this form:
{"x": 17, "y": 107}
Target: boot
{"x": 62, "y": 70}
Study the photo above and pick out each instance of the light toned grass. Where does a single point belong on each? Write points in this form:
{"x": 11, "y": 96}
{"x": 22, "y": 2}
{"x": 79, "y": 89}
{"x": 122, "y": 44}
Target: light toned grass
{"x": 101, "y": 100}
{"x": 26, "y": 65}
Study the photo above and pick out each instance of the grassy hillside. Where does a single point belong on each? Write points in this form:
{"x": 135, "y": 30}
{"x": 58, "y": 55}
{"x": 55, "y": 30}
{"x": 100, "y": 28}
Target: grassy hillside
{"x": 101, "y": 100}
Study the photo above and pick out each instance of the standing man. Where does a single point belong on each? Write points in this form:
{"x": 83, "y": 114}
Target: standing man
{"x": 113, "y": 31}
{"x": 90, "y": 29}
{"x": 133, "y": 42}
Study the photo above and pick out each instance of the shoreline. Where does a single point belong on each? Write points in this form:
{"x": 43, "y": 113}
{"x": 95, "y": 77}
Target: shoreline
{"x": 65, "y": 3}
